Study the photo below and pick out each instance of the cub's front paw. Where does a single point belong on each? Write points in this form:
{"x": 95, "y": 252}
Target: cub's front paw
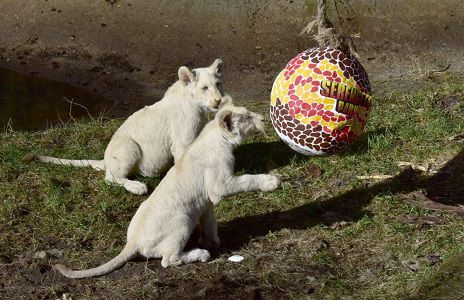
{"x": 270, "y": 183}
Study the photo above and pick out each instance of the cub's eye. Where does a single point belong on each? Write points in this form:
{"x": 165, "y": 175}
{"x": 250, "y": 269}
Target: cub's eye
{"x": 205, "y": 88}
{"x": 218, "y": 83}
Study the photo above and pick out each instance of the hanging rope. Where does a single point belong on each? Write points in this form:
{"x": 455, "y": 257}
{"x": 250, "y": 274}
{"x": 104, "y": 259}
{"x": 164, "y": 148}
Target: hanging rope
{"x": 324, "y": 33}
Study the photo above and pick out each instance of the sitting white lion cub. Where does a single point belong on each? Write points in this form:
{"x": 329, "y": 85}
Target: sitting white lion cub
{"x": 149, "y": 139}
{"x": 187, "y": 194}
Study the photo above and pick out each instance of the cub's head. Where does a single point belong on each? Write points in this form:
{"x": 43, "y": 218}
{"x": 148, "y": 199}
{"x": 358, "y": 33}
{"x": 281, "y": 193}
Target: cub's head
{"x": 238, "y": 123}
{"x": 204, "y": 84}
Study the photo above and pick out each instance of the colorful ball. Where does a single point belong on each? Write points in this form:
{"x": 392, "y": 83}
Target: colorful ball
{"x": 320, "y": 101}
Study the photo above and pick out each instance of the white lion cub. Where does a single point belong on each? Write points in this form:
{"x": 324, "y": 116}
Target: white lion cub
{"x": 187, "y": 194}
{"x": 149, "y": 139}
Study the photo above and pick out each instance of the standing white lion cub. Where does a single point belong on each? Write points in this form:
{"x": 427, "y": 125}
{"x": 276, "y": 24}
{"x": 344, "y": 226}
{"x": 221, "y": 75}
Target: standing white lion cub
{"x": 149, "y": 139}
{"x": 187, "y": 194}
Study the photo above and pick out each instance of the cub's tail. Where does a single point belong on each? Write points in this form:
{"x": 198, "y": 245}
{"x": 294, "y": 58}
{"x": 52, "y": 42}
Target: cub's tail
{"x": 98, "y": 165}
{"x": 126, "y": 254}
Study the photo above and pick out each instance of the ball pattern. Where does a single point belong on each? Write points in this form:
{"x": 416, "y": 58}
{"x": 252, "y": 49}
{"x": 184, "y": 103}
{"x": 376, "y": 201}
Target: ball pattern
{"x": 320, "y": 101}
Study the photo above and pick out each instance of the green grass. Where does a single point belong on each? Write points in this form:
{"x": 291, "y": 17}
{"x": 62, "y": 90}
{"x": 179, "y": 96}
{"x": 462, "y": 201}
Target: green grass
{"x": 326, "y": 236}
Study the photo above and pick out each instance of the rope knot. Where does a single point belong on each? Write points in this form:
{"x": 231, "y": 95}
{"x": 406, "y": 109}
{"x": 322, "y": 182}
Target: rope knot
{"x": 324, "y": 33}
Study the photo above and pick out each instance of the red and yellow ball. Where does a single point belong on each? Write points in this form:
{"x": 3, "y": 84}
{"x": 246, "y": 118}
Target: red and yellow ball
{"x": 320, "y": 101}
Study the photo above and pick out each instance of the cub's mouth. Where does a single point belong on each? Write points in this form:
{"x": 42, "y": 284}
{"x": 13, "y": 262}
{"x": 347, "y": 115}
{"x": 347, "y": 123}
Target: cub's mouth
{"x": 215, "y": 107}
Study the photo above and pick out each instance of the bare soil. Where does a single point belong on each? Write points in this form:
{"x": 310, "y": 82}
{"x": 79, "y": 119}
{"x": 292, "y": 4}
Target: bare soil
{"x": 129, "y": 52}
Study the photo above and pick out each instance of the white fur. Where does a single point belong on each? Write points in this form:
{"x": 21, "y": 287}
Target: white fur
{"x": 151, "y": 138}
{"x": 187, "y": 194}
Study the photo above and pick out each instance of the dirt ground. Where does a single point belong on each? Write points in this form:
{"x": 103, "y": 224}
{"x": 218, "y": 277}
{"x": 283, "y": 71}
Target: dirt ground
{"x": 128, "y": 52}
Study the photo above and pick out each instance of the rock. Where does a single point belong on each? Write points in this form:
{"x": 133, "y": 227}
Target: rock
{"x": 47, "y": 254}
{"x": 236, "y": 258}
{"x": 40, "y": 255}
{"x": 411, "y": 265}
{"x": 367, "y": 276}
{"x": 313, "y": 171}
{"x": 433, "y": 259}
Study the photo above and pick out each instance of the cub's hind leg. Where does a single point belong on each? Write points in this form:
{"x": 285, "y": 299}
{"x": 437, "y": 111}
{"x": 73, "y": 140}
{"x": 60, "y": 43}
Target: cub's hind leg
{"x": 172, "y": 248}
{"x": 122, "y": 158}
{"x": 208, "y": 226}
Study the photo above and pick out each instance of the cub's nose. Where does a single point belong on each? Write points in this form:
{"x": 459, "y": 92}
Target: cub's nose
{"x": 217, "y": 102}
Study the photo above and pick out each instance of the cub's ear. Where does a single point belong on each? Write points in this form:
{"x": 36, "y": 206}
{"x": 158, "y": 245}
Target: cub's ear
{"x": 217, "y": 66}
{"x": 225, "y": 120}
{"x": 185, "y": 75}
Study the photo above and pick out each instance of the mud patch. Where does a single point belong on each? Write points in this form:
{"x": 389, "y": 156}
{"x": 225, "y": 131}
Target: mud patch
{"x": 31, "y": 103}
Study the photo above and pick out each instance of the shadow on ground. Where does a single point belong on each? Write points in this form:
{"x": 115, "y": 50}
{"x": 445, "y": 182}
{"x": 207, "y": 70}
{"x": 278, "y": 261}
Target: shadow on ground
{"x": 446, "y": 187}
{"x": 262, "y": 157}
